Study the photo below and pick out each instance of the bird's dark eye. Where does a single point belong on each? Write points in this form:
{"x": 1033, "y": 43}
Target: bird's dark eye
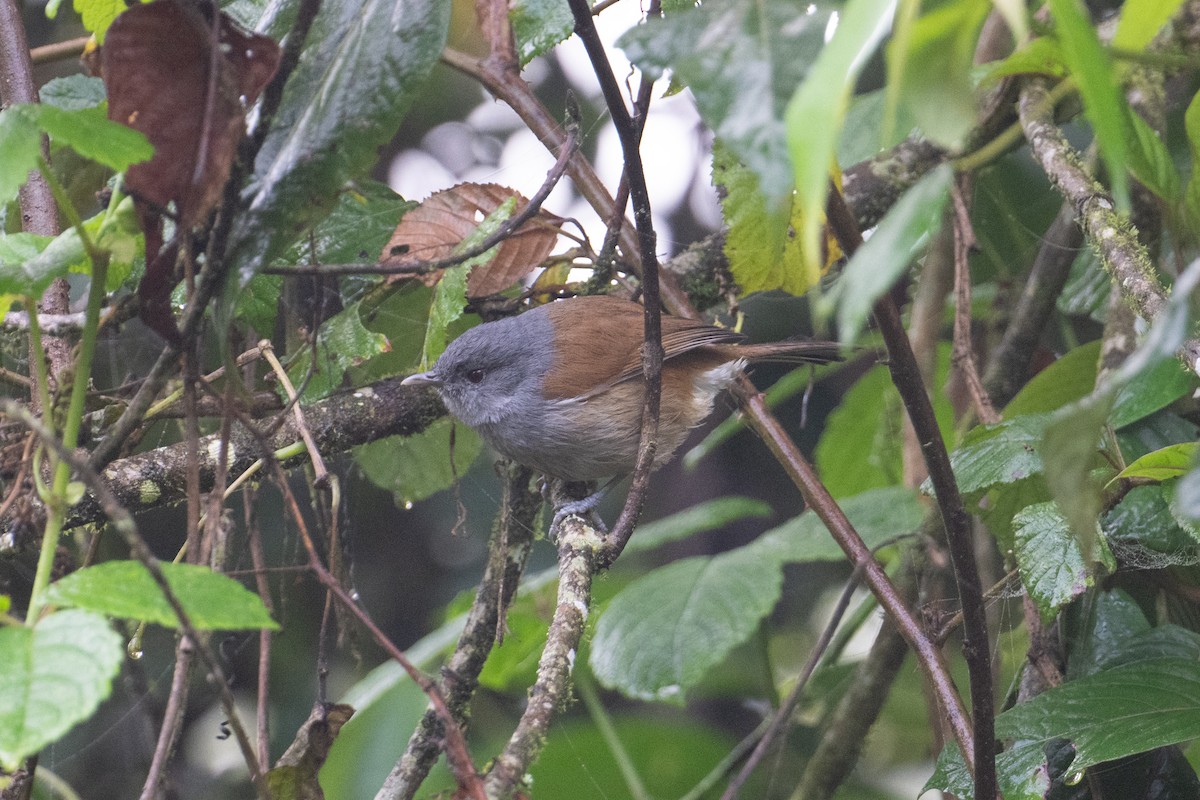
{"x": 475, "y": 375}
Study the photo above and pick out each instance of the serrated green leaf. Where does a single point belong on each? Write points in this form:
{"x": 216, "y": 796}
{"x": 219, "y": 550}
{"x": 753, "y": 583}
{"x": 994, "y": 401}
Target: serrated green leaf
{"x": 1164, "y": 464}
{"x": 742, "y": 61}
{"x": 342, "y": 342}
{"x": 1141, "y": 20}
{"x": 663, "y": 632}
{"x": 125, "y": 589}
{"x": 1121, "y": 711}
{"x": 364, "y": 63}
{"x": 935, "y": 65}
{"x": 356, "y": 230}
{"x": 73, "y": 92}
{"x": 1144, "y": 519}
{"x": 885, "y": 256}
{"x": 707, "y": 516}
{"x": 1103, "y": 103}
{"x": 52, "y": 677}
{"x": 997, "y": 454}
{"x": 414, "y": 467}
{"x": 1051, "y": 564}
{"x": 815, "y": 113}
{"x": 538, "y": 25}
{"x": 1068, "y": 379}
{"x": 760, "y": 237}
{"x": 89, "y": 132}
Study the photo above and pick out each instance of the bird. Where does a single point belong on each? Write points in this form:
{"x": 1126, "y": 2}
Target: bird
{"x": 559, "y": 388}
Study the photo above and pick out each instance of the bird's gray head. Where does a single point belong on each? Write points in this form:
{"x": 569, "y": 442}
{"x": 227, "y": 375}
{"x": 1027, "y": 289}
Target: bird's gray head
{"x": 494, "y": 370}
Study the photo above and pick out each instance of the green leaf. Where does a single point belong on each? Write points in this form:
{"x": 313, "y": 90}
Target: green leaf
{"x": 1102, "y": 101}
{"x": 1159, "y": 386}
{"x": 342, "y": 342}
{"x": 1068, "y": 379}
{"x": 816, "y": 111}
{"x": 861, "y": 445}
{"x": 125, "y": 589}
{"x": 760, "y": 238}
{"x": 1145, "y": 519}
{"x": 1164, "y": 464}
{"x": 1191, "y": 195}
{"x": 357, "y": 229}
{"x": 89, "y": 132}
{"x": 73, "y": 92}
{"x": 664, "y": 631}
{"x": 1121, "y": 711}
{"x": 742, "y": 60}
{"x": 935, "y": 68}
{"x": 364, "y": 63}
{"x": 538, "y": 25}
{"x": 1141, "y": 20}
{"x": 449, "y": 302}
{"x": 1042, "y": 56}
{"x": 1149, "y": 160}
{"x": 415, "y": 467}
{"x": 1108, "y": 623}
{"x": 707, "y": 516}
{"x": 885, "y": 256}
{"x": 20, "y": 149}
{"x": 97, "y": 15}
{"x": 52, "y": 677}
{"x": 1051, "y": 564}
{"x": 661, "y": 634}
{"x": 998, "y": 454}
{"x": 879, "y": 516}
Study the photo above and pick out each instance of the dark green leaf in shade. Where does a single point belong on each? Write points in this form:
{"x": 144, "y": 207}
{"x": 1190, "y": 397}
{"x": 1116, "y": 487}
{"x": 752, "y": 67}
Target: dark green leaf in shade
{"x": 1157, "y": 387}
{"x": 52, "y": 677}
{"x": 125, "y": 589}
{"x": 885, "y": 256}
{"x": 934, "y": 66}
{"x": 258, "y": 303}
{"x": 815, "y": 113}
{"x": 357, "y": 229}
{"x": 538, "y": 25}
{"x": 1143, "y": 524}
{"x": 1149, "y": 160}
{"x": 1107, "y": 623}
{"x": 742, "y": 61}
{"x": 707, "y": 516}
{"x": 1160, "y": 429}
{"x": 364, "y": 64}
{"x": 1049, "y": 559}
{"x": 1103, "y": 103}
{"x": 1068, "y": 379}
{"x": 1013, "y": 206}
{"x": 73, "y": 92}
{"x": 1087, "y": 289}
{"x": 661, "y": 634}
{"x": 861, "y": 446}
{"x": 414, "y": 467}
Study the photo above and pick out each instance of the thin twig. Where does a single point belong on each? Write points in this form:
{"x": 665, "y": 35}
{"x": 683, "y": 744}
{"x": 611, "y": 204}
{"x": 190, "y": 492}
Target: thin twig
{"x": 906, "y": 376}
{"x": 321, "y": 473}
{"x": 783, "y": 715}
{"x": 59, "y": 51}
{"x": 629, "y": 133}
{"x": 125, "y": 525}
{"x": 263, "y": 587}
{"x": 964, "y": 347}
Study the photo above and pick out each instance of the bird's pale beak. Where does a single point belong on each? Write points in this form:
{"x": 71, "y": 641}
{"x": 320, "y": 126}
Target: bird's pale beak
{"x": 422, "y": 379}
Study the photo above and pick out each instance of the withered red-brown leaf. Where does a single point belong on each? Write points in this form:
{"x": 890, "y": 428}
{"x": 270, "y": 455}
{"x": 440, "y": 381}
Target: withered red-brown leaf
{"x": 158, "y": 63}
{"x": 432, "y": 231}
